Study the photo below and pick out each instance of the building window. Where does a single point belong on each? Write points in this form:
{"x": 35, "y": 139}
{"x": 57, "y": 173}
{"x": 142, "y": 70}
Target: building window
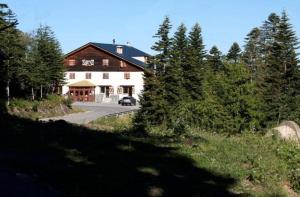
{"x": 71, "y": 75}
{"x": 123, "y": 64}
{"x": 88, "y": 62}
{"x": 126, "y": 75}
{"x": 126, "y": 89}
{"x": 105, "y": 62}
{"x": 88, "y": 75}
{"x": 105, "y": 75}
{"x": 119, "y": 49}
{"x": 72, "y": 62}
{"x": 102, "y": 89}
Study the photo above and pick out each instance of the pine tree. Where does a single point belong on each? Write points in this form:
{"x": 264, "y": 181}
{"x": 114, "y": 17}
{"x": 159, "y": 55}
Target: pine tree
{"x": 214, "y": 59}
{"x": 287, "y": 44}
{"x": 252, "y": 53}
{"x": 152, "y": 101}
{"x": 194, "y": 71}
{"x": 239, "y": 99}
{"x": 47, "y": 60}
{"x": 162, "y": 47}
{"x": 267, "y": 35}
{"x": 11, "y": 48}
{"x": 173, "y": 78}
{"x": 234, "y": 53}
{"x": 153, "y": 110}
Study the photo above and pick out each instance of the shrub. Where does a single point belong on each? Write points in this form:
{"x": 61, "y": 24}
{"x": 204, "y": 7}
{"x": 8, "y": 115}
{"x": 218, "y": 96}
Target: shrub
{"x": 68, "y": 102}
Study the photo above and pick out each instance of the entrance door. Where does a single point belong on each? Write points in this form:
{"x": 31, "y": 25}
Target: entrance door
{"x": 130, "y": 91}
{"x": 107, "y": 91}
{"x": 82, "y": 94}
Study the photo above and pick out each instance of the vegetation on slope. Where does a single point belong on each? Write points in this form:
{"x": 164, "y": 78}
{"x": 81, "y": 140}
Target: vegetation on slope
{"x": 52, "y": 106}
{"x": 261, "y": 165}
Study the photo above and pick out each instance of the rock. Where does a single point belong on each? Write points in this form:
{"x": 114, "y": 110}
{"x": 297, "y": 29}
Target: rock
{"x": 288, "y": 130}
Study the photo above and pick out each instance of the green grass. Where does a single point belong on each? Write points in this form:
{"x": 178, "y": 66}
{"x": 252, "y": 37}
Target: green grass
{"x": 262, "y": 165}
{"x": 52, "y": 106}
{"x": 113, "y": 124}
{"x": 109, "y": 158}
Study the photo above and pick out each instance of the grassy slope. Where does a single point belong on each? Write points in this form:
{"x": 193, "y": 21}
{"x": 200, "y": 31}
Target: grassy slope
{"x": 83, "y": 161}
{"x": 50, "y": 107}
{"x": 262, "y": 165}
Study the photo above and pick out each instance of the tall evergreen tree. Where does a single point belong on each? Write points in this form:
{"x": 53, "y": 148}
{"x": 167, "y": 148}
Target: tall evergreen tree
{"x": 252, "y": 52}
{"x": 239, "y": 99}
{"x": 281, "y": 76}
{"x": 153, "y": 110}
{"x": 152, "y": 101}
{"x": 194, "y": 71}
{"x": 162, "y": 47}
{"x": 214, "y": 59}
{"x": 173, "y": 78}
{"x": 46, "y": 57}
{"x": 234, "y": 53}
{"x": 10, "y": 46}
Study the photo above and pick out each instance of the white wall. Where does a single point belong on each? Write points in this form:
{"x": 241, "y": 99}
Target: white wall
{"x": 115, "y": 80}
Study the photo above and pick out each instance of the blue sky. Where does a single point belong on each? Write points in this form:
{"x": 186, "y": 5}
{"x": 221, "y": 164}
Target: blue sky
{"x": 76, "y": 22}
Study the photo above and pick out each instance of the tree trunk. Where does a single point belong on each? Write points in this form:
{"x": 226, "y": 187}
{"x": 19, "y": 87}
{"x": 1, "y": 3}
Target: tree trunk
{"x": 41, "y": 91}
{"x": 32, "y": 93}
{"x": 7, "y": 92}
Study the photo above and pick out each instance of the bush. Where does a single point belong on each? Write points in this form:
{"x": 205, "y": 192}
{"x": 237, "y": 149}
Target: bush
{"x": 54, "y": 105}
{"x": 290, "y": 152}
{"x": 35, "y": 106}
{"x": 68, "y": 102}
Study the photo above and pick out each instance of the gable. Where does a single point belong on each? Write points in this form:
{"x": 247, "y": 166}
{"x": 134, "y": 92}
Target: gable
{"x": 95, "y": 55}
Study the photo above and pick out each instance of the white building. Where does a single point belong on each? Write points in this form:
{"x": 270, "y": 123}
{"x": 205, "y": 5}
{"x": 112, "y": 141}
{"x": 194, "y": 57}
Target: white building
{"x": 99, "y": 72}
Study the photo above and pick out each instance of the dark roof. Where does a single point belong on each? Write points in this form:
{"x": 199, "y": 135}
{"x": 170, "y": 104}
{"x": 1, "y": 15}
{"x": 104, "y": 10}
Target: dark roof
{"x": 128, "y": 52}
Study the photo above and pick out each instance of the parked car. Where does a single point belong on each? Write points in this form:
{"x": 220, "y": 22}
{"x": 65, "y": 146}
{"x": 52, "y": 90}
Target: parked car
{"x": 127, "y": 100}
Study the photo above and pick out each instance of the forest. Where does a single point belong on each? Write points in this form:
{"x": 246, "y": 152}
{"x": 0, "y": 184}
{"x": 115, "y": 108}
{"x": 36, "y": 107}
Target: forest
{"x": 31, "y": 63}
{"x": 199, "y": 131}
{"x": 248, "y": 89}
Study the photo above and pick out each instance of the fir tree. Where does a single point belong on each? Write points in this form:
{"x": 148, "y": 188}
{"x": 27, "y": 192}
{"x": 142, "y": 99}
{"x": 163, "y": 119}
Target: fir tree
{"x": 286, "y": 44}
{"x": 194, "y": 70}
{"x": 47, "y": 60}
{"x": 12, "y": 49}
{"x": 173, "y": 78}
{"x": 239, "y": 99}
{"x": 152, "y": 110}
{"x": 252, "y": 53}
{"x": 162, "y": 47}
{"x": 214, "y": 59}
{"x": 234, "y": 53}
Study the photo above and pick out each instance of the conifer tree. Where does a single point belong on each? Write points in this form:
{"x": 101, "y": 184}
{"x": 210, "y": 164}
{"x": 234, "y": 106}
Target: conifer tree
{"x": 194, "y": 70}
{"x": 47, "y": 60}
{"x": 173, "y": 78}
{"x": 239, "y": 99}
{"x": 252, "y": 53}
{"x": 280, "y": 76}
{"x": 152, "y": 101}
{"x": 234, "y": 53}
{"x": 12, "y": 49}
{"x": 162, "y": 47}
{"x": 214, "y": 59}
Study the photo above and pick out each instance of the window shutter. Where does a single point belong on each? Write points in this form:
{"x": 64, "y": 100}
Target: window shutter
{"x": 133, "y": 90}
{"x": 111, "y": 90}
{"x": 120, "y": 90}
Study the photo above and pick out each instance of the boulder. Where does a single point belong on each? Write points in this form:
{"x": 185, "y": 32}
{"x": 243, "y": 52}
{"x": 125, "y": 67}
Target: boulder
{"x": 288, "y": 130}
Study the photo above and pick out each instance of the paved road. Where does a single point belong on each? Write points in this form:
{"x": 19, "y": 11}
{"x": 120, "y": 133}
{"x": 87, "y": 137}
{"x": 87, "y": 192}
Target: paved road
{"x": 92, "y": 112}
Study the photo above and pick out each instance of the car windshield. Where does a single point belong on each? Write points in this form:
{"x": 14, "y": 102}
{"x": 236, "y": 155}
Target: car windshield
{"x": 126, "y": 97}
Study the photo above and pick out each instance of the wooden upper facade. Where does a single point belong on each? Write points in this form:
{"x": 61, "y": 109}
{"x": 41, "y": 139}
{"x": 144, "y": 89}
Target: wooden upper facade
{"x": 105, "y": 57}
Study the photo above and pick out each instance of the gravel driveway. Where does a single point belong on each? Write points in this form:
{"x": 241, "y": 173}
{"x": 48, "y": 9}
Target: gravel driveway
{"x": 92, "y": 112}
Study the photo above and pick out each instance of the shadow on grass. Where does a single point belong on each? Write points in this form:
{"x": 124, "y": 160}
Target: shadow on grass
{"x": 60, "y": 159}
